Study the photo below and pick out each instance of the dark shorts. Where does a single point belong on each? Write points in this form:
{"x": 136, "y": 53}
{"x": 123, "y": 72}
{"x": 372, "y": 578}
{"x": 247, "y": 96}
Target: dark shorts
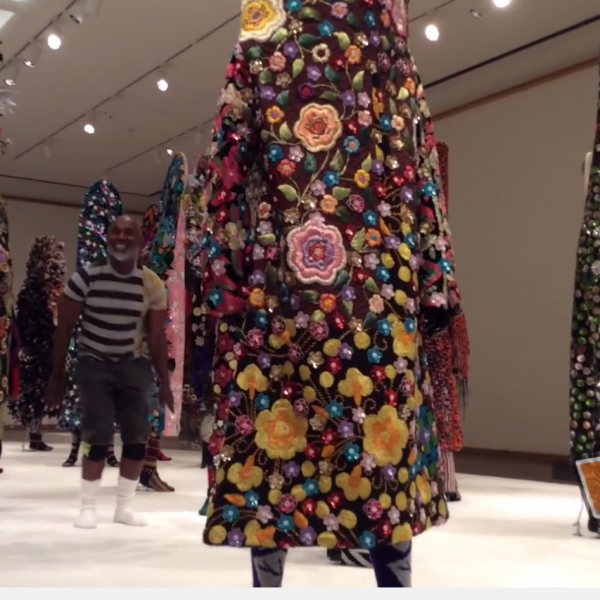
{"x": 112, "y": 393}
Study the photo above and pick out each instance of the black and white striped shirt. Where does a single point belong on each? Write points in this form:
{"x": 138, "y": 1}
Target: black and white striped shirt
{"x": 114, "y": 309}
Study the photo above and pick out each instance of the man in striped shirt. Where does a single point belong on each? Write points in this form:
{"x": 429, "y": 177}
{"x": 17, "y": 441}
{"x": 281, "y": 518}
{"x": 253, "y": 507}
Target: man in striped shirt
{"x": 122, "y": 308}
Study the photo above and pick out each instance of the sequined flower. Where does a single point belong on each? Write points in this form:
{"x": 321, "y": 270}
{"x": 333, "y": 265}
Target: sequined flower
{"x": 261, "y": 19}
{"x": 318, "y": 127}
{"x": 316, "y": 252}
{"x": 386, "y": 436}
{"x": 280, "y": 432}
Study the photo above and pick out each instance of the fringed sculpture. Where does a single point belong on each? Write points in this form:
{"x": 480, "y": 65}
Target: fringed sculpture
{"x": 36, "y": 321}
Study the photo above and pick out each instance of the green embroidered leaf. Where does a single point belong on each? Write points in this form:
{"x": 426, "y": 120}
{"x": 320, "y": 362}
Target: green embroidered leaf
{"x": 310, "y": 163}
{"x": 393, "y": 107}
{"x": 329, "y": 96}
{"x": 332, "y": 74}
{"x": 288, "y": 191}
{"x": 265, "y": 135}
{"x": 359, "y": 240}
{"x": 403, "y": 94}
{"x": 343, "y": 40}
{"x": 271, "y": 275}
{"x": 309, "y": 14}
{"x": 280, "y": 35}
{"x": 358, "y": 82}
{"x": 285, "y": 133}
{"x": 340, "y": 193}
{"x": 337, "y": 162}
{"x": 265, "y": 76}
{"x": 367, "y": 164}
{"x": 254, "y": 52}
{"x": 343, "y": 214}
{"x": 341, "y": 280}
{"x": 364, "y": 136}
{"x": 370, "y": 319}
{"x": 369, "y": 197}
{"x": 310, "y": 296}
{"x": 371, "y": 286}
{"x": 353, "y": 21}
{"x": 267, "y": 239}
{"x": 297, "y": 67}
{"x": 409, "y": 145}
{"x": 308, "y": 41}
{"x": 385, "y": 43}
{"x": 283, "y": 99}
{"x": 348, "y": 307}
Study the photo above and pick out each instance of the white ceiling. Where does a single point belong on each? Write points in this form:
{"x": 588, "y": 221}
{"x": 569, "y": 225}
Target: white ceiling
{"x": 119, "y": 53}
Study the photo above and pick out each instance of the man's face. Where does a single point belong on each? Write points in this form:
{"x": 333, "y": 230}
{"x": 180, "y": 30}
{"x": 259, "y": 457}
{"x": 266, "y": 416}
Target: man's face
{"x": 123, "y": 240}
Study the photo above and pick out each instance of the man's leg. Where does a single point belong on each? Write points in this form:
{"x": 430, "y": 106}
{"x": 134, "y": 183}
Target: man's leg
{"x": 96, "y": 392}
{"x": 135, "y": 378}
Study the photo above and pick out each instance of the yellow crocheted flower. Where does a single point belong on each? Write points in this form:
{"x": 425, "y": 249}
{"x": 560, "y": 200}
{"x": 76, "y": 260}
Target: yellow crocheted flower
{"x": 280, "y": 432}
{"x": 257, "y": 536}
{"x": 404, "y": 342}
{"x": 354, "y": 484}
{"x": 246, "y": 476}
{"x": 261, "y": 19}
{"x": 356, "y": 385}
{"x": 252, "y": 380}
{"x": 386, "y": 436}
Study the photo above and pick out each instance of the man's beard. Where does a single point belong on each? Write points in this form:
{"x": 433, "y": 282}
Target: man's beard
{"x": 124, "y": 255}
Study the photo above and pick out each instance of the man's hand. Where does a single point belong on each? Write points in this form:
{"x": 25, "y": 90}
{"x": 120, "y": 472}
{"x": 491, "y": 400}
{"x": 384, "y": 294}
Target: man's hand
{"x": 165, "y": 397}
{"x": 55, "y": 392}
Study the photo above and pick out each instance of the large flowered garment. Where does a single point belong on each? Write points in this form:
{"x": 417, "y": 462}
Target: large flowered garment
{"x": 448, "y": 351}
{"x": 584, "y": 406}
{"x": 101, "y": 206}
{"x": 36, "y": 319}
{"x": 167, "y": 260}
{"x": 327, "y": 235}
{"x": 7, "y": 310}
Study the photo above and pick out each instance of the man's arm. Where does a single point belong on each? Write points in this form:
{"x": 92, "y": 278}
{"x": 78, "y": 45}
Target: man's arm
{"x": 157, "y": 321}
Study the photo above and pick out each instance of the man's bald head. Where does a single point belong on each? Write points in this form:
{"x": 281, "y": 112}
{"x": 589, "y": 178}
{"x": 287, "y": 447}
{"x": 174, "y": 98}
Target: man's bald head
{"x": 124, "y": 239}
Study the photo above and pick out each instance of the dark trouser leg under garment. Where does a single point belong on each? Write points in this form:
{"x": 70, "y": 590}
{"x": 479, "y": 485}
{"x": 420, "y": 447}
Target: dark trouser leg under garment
{"x": 392, "y": 565}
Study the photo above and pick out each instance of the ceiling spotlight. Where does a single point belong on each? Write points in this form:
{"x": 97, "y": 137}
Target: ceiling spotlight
{"x": 12, "y": 76}
{"x": 54, "y": 39}
{"x": 89, "y": 128}
{"x": 84, "y": 8}
{"x": 170, "y": 151}
{"x": 32, "y": 54}
{"x": 162, "y": 84}
{"x": 501, "y": 3}
{"x": 432, "y": 33}
{"x": 475, "y": 14}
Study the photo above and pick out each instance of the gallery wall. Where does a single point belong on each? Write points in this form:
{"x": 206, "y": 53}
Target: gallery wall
{"x": 516, "y": 203}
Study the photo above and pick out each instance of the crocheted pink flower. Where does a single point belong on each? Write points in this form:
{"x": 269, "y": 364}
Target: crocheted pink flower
{"x": 316, "y": 252}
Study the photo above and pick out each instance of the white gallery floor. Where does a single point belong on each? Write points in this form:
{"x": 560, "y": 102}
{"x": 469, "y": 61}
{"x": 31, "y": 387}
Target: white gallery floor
{"x": 505, "y": 533}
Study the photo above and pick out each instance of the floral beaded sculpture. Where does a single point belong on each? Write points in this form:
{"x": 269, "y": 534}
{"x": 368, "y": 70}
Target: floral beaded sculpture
{"x": 584, "y": 404}
{"x": 167, "y": 259}
{"x": 36, "y": 320}
{"x": 8, "y": 383}
{"x": 7, "y": 311}
{"x": 325, "y": 235}
{"x": 101, "y": 206}
{"x": 448, "y": 349}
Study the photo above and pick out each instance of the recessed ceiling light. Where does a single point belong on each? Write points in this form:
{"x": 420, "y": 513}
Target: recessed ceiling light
{"x": 432, "y": 33}
{"x": 475, "y": 14}
{"x": 170, "y": 151}
{"x": 31, "y": 55}
{"x": 89, "y": 128}
{"x": 12, "y": 76}
{"x": 501, "y": 3}
{"x": 54, "y": 39}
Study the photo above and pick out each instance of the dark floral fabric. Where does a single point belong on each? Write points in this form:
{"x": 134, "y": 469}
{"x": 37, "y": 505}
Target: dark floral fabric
{"x": 325, "y": 235}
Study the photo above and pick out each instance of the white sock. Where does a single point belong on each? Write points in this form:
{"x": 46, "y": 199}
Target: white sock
{"x": 124, "y": 513}
{"x": 87, "y": 513}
